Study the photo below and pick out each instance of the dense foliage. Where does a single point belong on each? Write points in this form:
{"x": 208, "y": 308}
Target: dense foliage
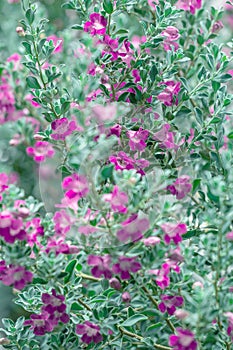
{"x": 116, "y": 182}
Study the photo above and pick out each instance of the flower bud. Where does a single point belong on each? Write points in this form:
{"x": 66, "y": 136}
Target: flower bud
{"x": 126, "y": 298}
{"x": 4, "y": 341}
{"x": 115, "y": 283}
{"x": 197, "y": 284}
{"x": 181, "y": 314}
{"x": 20, "y": 31}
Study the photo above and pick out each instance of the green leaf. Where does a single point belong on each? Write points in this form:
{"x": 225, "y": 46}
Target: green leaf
{"x": 230, "y": 135}
{"x": 133, "y": 320}
{"x": 108, "y": 6}
{"x": 69, "y": 269}
{"x": 65, "y": 107}
{"x": 30, "y": 16}
{"x": 107, "y": 171}
{"x": 27, "y": 47}
{"x": 153, "y": 73}
{"x": 33, "y": 83}
{"x": 200, "y": 39}
{"x": 215, "y": 85}
{"x": 77, "y": 27}
{"x": 196, "y": 185}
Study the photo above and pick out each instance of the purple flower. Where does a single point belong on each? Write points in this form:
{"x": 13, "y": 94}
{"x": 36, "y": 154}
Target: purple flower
{"x": 90, "y": 332}
{"x": 169, "y": 303}
{"x": 181, "y": 187}
{"x": 57, "y": 42}
{"x": 115, "y": 130}
{"x": 63, "y": 222}
{"x": 4, "y": 180}
{"x": 34, "y": 229}
{"x": 41, "y": 151}
{"x": 151, "y": 241}
{"x": 173, "y": 232}
{"x": 11, "y": 229}
{"x": 229, "y": 315}
{"x": 62, "y": 128}
{"x": 133, "y": 228}
{"x": 96, "y": 25}
{"x": 55, "y": 307}
{"x": 167, "y": 95}
{"x": 189, "y": 5}
{"x": 7, "y": 102}
{"x": 165, "y": 137}
{"x": 123, "y": 161}
{"x": 171, "y": 34}
{"x": 101, "y": 265}
{"x": 76, "y": 186}
{"x": 184, "y": 340}
{"x": 126, "y": 265}
{"x": 137, "y": 139}
{"x": 40, "y": 324}
{"x": 16, "y": 276}
{"x": 60, "y": 247}
{"x": 229, "y": 236}
{"x": 118, "y": 200}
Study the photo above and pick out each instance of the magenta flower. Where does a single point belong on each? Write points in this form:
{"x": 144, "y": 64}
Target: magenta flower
{"x": 229, "y": 236}
{"x": 60, "y": 247}
{"x": 181, "y": 187}
{"x": 171, "y": 35}
{"x": 153, "y": 3}
{"x": 151, "y": 241}
{"x": 90, "y": 332}
{"x": 126, "y": 265}
{"x": 189, "y": 5}
{"x": 11, "y": 228}
{"x": 76, "y": 186}
{"x": 110, "y": 47}
{"x": 3, "y": 183}
{"x": 16, "y": 276}
{"x": 163, "y": 279}
{"x": 123, "y": 161}
{"x": 133, "y": 228}
{"x": 170, "y": 303}
{"x": 184, "y": 340}
{"x": 41, "y": 151}
{"x": 217, "y": 26}
{"x": 15, "y": 58}
{"x": 167, "y": 95}
{"x": 96, "y": 25}
{"x": 62, "y": 128}
{"x": 229, "y": 315}
{"x": 40, "y": 324}
{"x": 165, "y": 137}
{"x": 137, "y": 139}
{"x": 63, "y": 222}
{"x": 115, "y": 130}
{"x": 57, "y": 42}
{"x": 173, "y": 232}
{"x": 29, "y": 98}
{"x": 55, "y": 307}
{"x": 118, "y": 200}
{"x": 7, "y": 102}
{"x": 34, "y": 229}
{"x": 101, "y": 265}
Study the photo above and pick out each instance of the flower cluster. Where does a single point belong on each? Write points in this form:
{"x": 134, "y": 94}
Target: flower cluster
{"x": 16, "y": 276}
{"x": 52, "y": 312}
{"x": 181, "y": 187}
